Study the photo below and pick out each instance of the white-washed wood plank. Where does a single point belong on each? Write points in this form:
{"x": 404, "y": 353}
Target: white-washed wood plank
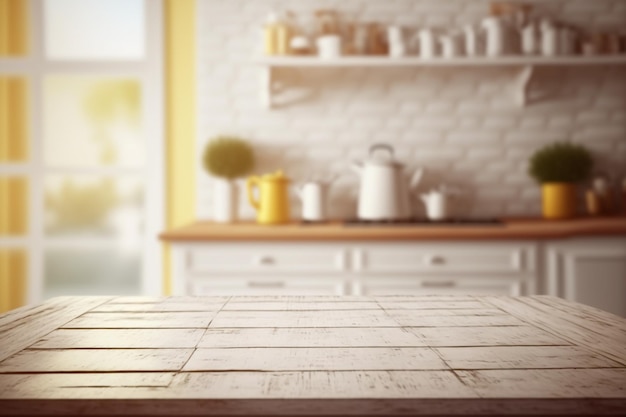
{"x": 210, "y": 299}
{"x": 423, "y": 298}
{"x": 314, "y": 359}
{"x": 552, "y": 320}
{"x": 120, "y": 338}
{"x": 486, "y": 336}
{"x": 60, "y": 385}
{"x": 156, "y": 320}
{"x": 585, "y": 316}
{"x": 157, "y": 307}
{"x": 432, "y": 304}
{"x": 523, "y": 357}
{"x": 302, "y": 306}
{"x": 310, "y": 337}
{"x": 139, "y": 299}
{"x": 447, "y": 312}
{"x": 27, "y": 325}
{"x": 321, "y": 384}
{"x": 96, "y": 360}
{"x": 322, "y": 318}
{"x": 411, "y": 320}
{"x": 299, "y": 298}
{"x": 547, "y": 383}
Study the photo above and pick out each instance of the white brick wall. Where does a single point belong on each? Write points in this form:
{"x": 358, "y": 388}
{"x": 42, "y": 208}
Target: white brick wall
{"x": 461, "y": 124}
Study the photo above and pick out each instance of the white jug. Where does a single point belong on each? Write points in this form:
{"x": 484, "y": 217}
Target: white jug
{"x": 436, "y": 203}
{"x": 428, "y": 47}
{"x": 496, "y": 41}
{"x": 314, "y": 197}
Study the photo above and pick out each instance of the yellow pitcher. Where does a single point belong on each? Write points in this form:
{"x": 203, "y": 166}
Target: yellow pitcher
{"x": 273, "y": 203}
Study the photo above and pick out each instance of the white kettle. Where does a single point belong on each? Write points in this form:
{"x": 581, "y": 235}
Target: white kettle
{"x": 314, "y": 197}
{"x": 384, "y": 194}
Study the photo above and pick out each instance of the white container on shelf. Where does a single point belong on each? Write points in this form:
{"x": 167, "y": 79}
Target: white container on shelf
{"x": 427, "y": 43}
{"x": 329, "y": 46}
{"x": 496, "y": 39}
{"x": 530, "y": 39}
{"x": 395, "y": 37}
{"x": 450, "y": 45}
{"x": 549, "y": 39}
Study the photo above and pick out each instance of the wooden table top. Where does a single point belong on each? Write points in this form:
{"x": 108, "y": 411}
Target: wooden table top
{"x": 392, "y": 355}
{"x": 531, "y": 228}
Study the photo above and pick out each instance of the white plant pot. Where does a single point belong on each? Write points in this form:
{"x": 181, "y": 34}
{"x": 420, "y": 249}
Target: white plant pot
{"x": 225, "y": 200}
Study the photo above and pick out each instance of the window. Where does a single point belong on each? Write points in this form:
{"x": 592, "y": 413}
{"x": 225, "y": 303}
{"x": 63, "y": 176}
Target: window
{"x": 81, "y": 171}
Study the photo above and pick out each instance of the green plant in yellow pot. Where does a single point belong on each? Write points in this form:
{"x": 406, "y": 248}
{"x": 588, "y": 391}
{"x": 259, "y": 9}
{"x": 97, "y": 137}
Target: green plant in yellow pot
{"x": 558, "y": 167}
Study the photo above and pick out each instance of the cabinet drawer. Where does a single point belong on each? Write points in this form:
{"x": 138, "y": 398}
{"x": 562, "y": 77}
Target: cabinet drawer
{"x": 262, "y": 259}
{"x": 456, "y": 286}
{"x": 269, "y": 286}
{"x": 433, "y": 258}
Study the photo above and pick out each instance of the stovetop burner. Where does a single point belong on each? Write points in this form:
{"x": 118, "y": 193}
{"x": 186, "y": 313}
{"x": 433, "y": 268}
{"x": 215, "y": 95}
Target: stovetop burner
{"x": 426, "y": 222}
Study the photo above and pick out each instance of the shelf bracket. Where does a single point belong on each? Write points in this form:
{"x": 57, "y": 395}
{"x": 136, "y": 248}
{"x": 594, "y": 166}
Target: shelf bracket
{"x": 522, "y": 84}
{"x": 267, "y": 86}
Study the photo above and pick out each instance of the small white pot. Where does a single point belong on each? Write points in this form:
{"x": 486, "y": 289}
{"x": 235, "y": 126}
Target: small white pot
{"x": 225, "y": 200}
{"x": 329, "y": 46}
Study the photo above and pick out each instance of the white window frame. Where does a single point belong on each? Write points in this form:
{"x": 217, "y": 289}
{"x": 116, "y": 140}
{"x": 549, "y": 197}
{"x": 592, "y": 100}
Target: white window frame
{"x": 149, "y": 72}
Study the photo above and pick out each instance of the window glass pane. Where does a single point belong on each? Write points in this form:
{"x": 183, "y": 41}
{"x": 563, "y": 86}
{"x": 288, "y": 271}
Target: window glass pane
{"x": 94, "y": 206}
{"x": 13, "y": 206}
{"x": 104, "y": 115}
{"x": 13, "y": 278}
{"x": 94, "y": 29}
{"x": 91, "y": 272}
{"x": 14, "y": 28}
{"x": 13, "y": 119}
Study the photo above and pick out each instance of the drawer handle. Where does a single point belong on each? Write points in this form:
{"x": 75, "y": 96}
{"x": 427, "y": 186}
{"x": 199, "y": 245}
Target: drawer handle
{"x": 435, "y": 260}
{"x": 265, "y": 260}
{"x": 263, "y": 284}
{"x": 439, "y": 284}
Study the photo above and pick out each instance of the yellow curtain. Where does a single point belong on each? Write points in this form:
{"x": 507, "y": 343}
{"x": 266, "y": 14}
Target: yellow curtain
{"x": 180, "y": 90}
{"x": 13, "y": 119}
{"x": 13, "y": 264}
{"x": 14, "y": 42}
{"x": 13, "y": 27}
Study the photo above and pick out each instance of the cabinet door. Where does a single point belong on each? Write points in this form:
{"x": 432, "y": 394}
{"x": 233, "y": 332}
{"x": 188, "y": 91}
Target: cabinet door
{"x": 277, "y": 285}
{"x": 437, "y": 286}
{"x": 590, "y": 271}
{"x": 462, "y": 258}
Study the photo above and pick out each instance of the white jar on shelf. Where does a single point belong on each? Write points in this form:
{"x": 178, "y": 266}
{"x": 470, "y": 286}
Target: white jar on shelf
{"x": 549, "y": 39}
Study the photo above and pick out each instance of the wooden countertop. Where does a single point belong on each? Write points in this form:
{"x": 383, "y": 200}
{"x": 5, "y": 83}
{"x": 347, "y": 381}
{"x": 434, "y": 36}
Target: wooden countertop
{"x": 336, "y": 231}
{"x": 393, "y": 355}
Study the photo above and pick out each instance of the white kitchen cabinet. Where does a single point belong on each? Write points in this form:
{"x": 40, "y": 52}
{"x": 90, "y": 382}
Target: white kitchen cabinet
{"x": 354, "y": 268}
{"x": 591, "y": 271}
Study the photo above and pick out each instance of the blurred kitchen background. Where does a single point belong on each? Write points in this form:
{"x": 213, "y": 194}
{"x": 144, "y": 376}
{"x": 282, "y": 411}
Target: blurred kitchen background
{"x": 106, "y": 107}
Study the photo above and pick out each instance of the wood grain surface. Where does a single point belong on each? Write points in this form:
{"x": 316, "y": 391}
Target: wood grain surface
{"x": 395, "y": 355}
{"x": 336, "y": 231}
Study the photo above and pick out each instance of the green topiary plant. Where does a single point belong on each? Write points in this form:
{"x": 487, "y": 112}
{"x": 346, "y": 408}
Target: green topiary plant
{"x": 228, "y": 157}
{"x": 560, "y": 162}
